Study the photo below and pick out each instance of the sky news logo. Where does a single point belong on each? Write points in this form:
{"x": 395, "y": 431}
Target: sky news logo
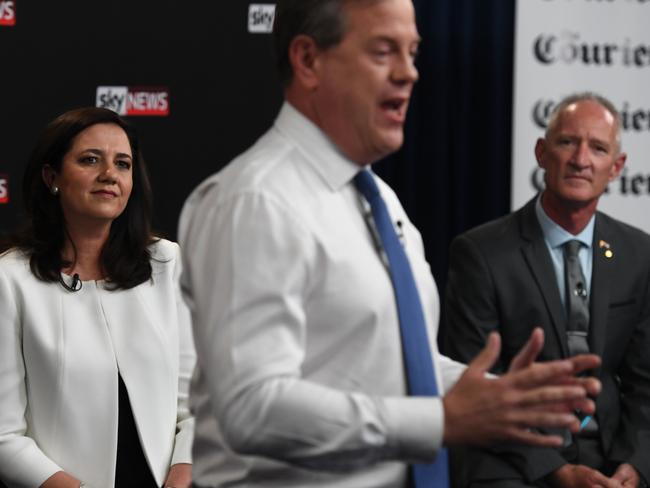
{"x": 132, "y": 100}
{"x": 8, "y": 12}
{"x": 4, "y": 189}
{"x": 260, "y": 18}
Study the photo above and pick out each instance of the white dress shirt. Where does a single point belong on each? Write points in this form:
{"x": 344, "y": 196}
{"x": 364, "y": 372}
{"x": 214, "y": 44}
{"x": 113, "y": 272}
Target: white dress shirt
{"x": 61, "y": 353}
{"x": 300, "y": 378}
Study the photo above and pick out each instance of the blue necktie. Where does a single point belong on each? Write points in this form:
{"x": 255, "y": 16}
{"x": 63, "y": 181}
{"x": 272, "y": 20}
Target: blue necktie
{"x": 415, "y": 343}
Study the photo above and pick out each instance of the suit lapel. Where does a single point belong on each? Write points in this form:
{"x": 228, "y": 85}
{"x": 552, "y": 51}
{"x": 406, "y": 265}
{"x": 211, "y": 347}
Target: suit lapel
{"x": 599, "y": 294}
{"x": 537, "y": 256}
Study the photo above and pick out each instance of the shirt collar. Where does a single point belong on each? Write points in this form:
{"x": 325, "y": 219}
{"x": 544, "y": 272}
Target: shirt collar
{"x": 555, "y": 235}
{"x": 318, "y": 149}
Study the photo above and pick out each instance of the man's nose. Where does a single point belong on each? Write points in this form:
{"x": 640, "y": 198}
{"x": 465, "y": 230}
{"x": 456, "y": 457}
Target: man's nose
{"x": 404, "y": 70}
{"x": 582, "y": 155}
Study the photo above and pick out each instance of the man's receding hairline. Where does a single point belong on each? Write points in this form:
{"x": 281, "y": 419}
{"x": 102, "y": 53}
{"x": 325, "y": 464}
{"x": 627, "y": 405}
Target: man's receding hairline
{"x": 344, "y": 15}
{"x": 552, "y": 127}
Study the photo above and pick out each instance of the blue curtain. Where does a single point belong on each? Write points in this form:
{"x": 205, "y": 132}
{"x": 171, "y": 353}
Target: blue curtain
{"x": 453, "y": 172}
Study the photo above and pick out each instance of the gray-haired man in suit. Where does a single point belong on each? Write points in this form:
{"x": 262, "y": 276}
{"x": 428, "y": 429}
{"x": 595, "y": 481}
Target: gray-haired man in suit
{"x": 584, "y": 278}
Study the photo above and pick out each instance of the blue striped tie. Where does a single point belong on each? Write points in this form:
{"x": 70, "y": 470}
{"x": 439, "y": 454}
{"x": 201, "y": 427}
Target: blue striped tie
{"x": 415, "y": 343}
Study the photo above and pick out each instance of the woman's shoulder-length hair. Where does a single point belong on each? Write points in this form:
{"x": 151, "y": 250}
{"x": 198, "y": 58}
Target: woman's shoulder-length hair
{"x": 125, "y": 257}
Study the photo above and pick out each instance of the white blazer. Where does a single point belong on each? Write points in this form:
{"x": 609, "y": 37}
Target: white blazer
{"x": 60, "y": 353}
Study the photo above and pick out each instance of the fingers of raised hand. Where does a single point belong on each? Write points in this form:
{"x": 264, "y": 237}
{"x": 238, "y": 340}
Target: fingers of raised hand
{"x": 585, "y": 405}
{"x": 538, "y": 374}
{"x": 561, "y": 395}
{"x": 487, "y": 357}
{"x": 552, "y": 399}
{"x": 592, "y": 385}
{"x": 555, "y": 371}
{"x": 584, "y": 362}
{"x": 527, "y": 354}
{"x": 539, "y": 417}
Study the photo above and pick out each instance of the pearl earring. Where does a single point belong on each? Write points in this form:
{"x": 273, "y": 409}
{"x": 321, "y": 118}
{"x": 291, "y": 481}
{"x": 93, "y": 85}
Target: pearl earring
{"x": 54, "y": 190}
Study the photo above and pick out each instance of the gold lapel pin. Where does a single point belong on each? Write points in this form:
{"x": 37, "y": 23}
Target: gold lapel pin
{"x": 608, "y": 250}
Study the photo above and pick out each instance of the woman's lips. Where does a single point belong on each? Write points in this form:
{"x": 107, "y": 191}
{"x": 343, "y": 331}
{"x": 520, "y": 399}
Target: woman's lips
{"x": 105, "y": 193}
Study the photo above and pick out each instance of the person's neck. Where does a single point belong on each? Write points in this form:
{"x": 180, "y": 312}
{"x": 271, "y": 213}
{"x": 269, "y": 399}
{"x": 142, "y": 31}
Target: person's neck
{"x": 83, "y": 248}
{"x": 310, "y": 111}
{"x": 571, "y": 216}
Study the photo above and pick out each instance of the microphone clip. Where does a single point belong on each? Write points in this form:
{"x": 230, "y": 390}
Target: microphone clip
{"x": 76, "y": 283}
{"x": 580, "y": 291}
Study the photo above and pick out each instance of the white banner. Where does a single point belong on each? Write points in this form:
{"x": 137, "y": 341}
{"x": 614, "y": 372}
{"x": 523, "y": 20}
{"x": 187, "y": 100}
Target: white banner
{"x": 568, "y": 46}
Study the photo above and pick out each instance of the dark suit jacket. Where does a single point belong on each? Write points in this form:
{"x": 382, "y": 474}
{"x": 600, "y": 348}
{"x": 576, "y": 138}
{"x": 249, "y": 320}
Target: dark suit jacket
{"x": 501, "y": 278}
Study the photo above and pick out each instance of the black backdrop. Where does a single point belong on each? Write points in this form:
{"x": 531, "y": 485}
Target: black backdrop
{"x": 454, "y": 169}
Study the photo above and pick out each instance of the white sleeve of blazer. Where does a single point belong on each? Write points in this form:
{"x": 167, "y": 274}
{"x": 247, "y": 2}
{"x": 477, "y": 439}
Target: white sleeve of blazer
{"x": 60, "y": 357}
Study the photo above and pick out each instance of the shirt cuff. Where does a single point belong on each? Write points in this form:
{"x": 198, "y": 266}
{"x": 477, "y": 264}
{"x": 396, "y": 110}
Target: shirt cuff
{"x": 183, "y": 443}
{"x": 415, "y": 427}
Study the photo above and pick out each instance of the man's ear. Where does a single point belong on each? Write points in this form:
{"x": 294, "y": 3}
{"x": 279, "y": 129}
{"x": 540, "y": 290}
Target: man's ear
{"x": 540, "y": 149}
{"x": 617, "y": 167}
{"x": 304, "y": 56}
{"x": 49, "y": 175}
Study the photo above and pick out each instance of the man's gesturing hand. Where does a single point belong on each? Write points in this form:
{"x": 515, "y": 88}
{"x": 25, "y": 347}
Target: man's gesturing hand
{"x": 481, "y": 410}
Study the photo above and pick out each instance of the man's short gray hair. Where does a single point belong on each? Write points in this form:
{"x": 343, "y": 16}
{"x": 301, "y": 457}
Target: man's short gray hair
{"x": 582, "y": 97}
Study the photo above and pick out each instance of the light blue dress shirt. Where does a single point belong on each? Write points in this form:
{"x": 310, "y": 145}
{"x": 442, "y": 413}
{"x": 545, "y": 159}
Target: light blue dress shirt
{"x": 555, "y": 236}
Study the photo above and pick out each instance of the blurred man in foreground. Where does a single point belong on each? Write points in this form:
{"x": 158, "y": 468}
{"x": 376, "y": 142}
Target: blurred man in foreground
{"x": 315, "y": 322}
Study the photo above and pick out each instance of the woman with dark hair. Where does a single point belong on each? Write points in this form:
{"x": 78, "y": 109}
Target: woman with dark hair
{"x": 96, "y": 345}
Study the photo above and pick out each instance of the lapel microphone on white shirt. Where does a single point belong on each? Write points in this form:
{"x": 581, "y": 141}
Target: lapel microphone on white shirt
{"x": 400, "y": 230}
{"x": 75, "y": 282}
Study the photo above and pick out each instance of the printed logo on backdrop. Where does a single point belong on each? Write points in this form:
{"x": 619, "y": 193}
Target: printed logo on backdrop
{"x": 634, "y": 119}
{"x": 628, "y": 184}
{"x": 137, "y": 101}
{"x": 4, "y": 189}
{"x": 568, "y": 47}
{"x": 7, "y": 12}
{"x": 260, "y": 18}
{"x": 542, "y": 112}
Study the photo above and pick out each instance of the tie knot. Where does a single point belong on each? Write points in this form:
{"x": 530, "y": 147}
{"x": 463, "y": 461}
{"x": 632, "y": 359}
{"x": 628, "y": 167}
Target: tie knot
{"x": 572, "y": 247}
{"x": 366, "y": 184}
